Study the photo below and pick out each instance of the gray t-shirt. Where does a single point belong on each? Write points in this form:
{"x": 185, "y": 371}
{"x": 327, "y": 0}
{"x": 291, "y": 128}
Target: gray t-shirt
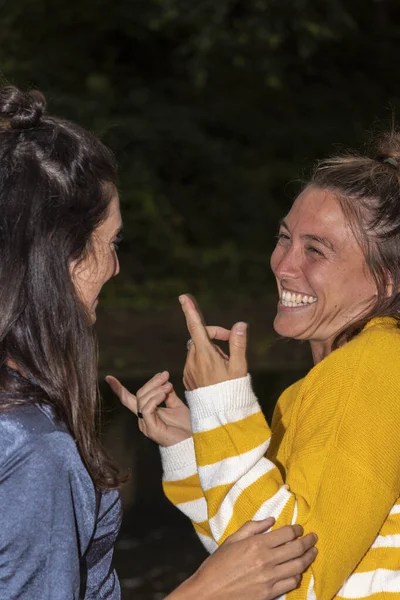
{"x": 56, "y": 533}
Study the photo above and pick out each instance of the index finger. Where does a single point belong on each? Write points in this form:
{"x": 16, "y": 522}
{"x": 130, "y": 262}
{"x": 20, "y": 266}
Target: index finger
{"x": 194, "y": 320}
{"x": 127, "y": 399}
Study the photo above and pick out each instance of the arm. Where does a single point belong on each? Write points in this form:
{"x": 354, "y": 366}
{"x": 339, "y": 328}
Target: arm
{"x": 38, "y": 538}
{"x": 336, "y": 455}
{"x": 341, "y": 491}
{"x": 101, "y": 579}
{"x": 231, "y": 438}
{"x": 262, "y": 567}
{"x": 182, "y": 487}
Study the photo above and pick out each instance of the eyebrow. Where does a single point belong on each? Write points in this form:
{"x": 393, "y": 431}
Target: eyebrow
{"x": 312, "y": 237}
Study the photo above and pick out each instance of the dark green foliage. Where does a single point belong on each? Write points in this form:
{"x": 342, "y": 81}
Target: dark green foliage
{"x": 215, "y": 110}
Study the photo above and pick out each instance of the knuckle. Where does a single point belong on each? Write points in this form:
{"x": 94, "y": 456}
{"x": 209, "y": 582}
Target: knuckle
{"x": 295, "y": 580}
{"x": 192, "y": 326}
{"x": 297, "y": 530}
{"x": 259, "y": 562}
{"x": 142, "y": 390}
{"x": 290, "y": 532}
{"x": 292, "y": 582}
{"x": 301, "y": 545}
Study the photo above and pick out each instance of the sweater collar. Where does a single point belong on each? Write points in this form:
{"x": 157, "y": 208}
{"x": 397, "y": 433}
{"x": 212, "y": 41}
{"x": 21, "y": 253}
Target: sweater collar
{"x": 386, "y": 322}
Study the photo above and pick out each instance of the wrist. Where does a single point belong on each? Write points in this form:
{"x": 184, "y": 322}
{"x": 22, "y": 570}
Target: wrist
{"x": 178, "y": 460}
{"x": 228, "y": 396}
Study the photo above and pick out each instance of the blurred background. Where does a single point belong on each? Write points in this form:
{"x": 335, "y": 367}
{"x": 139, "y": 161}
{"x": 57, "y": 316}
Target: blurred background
{"x": 215, "y": 111}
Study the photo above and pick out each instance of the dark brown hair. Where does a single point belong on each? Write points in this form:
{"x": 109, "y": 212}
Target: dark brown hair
{"x": 54, "y": 192}
{"x": 368, "y": 190}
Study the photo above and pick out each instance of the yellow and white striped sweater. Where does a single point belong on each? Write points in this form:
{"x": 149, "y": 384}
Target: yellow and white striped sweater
{"x": 331, "y": 463}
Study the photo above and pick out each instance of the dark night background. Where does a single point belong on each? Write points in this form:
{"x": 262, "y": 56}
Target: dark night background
{"x": 215, "y": 111}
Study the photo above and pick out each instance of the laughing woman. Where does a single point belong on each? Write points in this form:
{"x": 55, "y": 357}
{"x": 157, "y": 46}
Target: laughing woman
{"x": 331, "y": 459}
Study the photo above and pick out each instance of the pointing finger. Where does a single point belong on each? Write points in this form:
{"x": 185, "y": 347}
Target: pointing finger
{"x": 127, "y": 399}
{"x": 194, "y": 321}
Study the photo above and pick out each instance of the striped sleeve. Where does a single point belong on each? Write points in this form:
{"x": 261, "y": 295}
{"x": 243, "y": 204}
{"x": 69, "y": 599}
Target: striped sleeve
{"x": 231, "y": 437}
{"x": 342, "y": 487}
{"x": 182, "y": 487}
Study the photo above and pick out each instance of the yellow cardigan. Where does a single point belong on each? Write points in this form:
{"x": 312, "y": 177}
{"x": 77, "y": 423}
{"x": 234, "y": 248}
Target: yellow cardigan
{"x": 332, "y": 465}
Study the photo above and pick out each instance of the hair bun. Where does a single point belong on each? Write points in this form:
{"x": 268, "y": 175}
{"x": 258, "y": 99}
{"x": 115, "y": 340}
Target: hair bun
{"x": 21, "y": 110}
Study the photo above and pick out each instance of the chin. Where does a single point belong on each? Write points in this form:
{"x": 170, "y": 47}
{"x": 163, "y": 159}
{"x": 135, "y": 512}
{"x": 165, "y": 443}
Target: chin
{"x": 287, "y": 328}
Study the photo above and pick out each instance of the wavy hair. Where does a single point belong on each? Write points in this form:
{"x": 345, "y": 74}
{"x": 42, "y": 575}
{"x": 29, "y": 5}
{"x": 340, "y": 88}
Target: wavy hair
{"x": 55, "y": 188}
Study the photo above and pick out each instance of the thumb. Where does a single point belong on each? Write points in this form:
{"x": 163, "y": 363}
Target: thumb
{"x": 251, "y": 528}
{"x": 237, "y": 349}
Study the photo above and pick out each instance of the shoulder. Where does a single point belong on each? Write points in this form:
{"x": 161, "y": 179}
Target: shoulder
{"x": 363, "y": 371}
{"x": 30, "y": 434}
{"x": 375, "y": 350}
{"x": 285, "y": 401}
{"x": 289, "y": 395}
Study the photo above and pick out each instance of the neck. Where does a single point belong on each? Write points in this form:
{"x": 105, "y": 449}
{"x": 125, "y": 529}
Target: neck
{"x": 320, "y": 350}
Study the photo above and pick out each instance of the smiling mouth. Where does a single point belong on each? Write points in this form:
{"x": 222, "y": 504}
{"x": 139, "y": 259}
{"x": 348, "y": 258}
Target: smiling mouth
{"x": 293, "y": 299}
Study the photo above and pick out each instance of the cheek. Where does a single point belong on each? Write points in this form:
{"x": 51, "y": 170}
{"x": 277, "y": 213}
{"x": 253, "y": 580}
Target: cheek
{"x": 275, "y": 258}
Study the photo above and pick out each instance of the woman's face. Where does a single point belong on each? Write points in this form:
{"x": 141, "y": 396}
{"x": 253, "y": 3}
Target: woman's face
{"x": 323, "y": 280}
{"x": 90, "y": 274}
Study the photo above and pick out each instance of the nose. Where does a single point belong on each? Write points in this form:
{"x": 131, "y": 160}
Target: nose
{"x": 116, "y": 269}
{"x": 286, "y": 263}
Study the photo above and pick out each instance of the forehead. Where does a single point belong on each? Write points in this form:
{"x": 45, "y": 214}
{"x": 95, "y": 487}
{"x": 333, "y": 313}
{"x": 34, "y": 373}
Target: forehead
{"x": 113, "y": 221}
{"x": 318, "y": 212}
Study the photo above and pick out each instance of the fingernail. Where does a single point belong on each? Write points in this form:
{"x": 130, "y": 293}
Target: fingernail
{"x": 315, "y": 537}
{"x": 181, "y": 299}
{"x": 241, "y": 328}
{"x": 315, "y": 551}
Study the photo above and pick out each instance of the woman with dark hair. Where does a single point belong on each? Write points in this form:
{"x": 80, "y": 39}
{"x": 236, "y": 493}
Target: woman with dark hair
{"x": 331, "y": 460}
{"x": 60, "y": 225}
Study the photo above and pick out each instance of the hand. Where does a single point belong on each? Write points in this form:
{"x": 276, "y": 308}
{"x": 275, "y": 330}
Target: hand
{"x": 250, "y": 565}
{"x": 205, "y": 363}
{"x": 165, "y": 426}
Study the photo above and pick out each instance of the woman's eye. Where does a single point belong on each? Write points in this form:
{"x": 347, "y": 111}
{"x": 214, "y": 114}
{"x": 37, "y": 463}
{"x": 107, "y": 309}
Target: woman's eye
{"x": 116, "y": 242}
{"x": 282, "y": 238}
{"x": 315, "y": 251}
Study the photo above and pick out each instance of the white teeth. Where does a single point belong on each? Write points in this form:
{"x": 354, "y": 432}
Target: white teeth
{"x": 291, "y": 299}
